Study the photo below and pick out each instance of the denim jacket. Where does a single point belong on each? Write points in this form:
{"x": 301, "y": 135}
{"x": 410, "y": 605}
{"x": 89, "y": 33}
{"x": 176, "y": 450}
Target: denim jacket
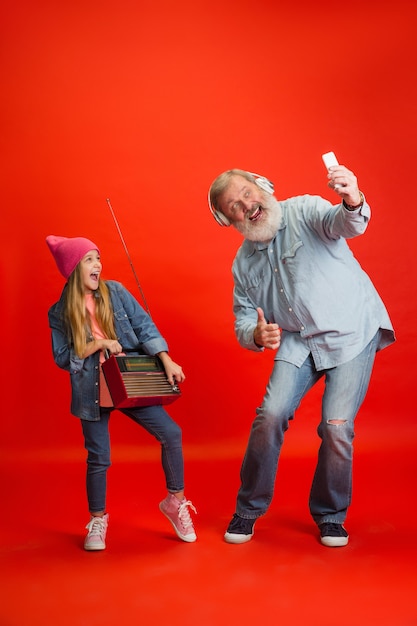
{"x": 134, "y": 329}
{"x": 308, "y": 281}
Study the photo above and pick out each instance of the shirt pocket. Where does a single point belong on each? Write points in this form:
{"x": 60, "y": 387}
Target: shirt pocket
{"x": 295, "y": 262}
{"x": 256, "y": 287}
{"x": 122, "y": 321}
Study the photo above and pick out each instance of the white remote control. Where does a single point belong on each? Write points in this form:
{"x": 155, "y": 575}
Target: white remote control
{"x": 329, "y": 159}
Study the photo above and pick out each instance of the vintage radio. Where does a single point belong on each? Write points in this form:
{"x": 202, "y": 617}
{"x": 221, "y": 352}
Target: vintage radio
{"x": 138, "y": 381}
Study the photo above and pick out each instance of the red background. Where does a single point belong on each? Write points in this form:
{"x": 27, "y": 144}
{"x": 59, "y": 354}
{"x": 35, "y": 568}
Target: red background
{"x": 145, "y": 103}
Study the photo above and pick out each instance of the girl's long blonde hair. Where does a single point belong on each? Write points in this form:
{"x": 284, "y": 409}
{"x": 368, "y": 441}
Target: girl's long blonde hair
{"x": 77, "y": 318}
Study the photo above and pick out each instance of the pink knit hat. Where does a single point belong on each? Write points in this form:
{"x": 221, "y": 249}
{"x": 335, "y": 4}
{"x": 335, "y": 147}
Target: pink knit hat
{"x": 68, "y": 252}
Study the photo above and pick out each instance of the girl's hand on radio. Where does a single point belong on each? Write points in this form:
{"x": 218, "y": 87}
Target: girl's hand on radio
{"x": 112, "y": 345}
{"x": 173, "y": 370}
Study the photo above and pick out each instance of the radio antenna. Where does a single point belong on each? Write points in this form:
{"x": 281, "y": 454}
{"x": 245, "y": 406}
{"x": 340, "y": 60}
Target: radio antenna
{"x": 128, "y": 256}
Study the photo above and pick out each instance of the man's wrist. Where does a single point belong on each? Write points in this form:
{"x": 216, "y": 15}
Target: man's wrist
{"x": 354, "y": 207}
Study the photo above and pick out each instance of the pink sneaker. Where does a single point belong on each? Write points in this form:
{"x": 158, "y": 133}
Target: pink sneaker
{"x": 179, "y": 515}
{"x": 97, "y": 529}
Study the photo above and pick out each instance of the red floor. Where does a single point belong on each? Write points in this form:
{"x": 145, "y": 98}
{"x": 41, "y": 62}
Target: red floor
{"x": 146, "y": 576}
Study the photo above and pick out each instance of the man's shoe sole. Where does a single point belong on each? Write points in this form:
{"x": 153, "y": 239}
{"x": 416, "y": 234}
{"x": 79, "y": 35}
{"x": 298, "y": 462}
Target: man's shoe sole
{"x": 334, "y": 542}
{"x": 236, "y": 538}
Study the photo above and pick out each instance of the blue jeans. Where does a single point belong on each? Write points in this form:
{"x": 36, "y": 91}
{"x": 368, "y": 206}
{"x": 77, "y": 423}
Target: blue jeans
{"x": 345, "y": 390}
{"x": 97, "y": 443}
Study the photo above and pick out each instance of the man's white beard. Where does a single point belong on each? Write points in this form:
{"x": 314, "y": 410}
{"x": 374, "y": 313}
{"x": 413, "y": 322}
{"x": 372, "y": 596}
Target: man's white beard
{"x": 266, "y": 230}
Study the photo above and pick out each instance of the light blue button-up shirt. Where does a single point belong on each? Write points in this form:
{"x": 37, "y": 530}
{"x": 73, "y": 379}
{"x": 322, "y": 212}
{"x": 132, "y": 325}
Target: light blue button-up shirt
{"x": 308, "y": 281}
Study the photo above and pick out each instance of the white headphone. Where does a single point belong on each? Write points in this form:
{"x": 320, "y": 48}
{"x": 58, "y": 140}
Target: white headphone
{"x": 262, "y": 182}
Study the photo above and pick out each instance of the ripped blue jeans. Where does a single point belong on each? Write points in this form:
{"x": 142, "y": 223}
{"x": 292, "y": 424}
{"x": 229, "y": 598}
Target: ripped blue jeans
{"x": 345, "y": 389}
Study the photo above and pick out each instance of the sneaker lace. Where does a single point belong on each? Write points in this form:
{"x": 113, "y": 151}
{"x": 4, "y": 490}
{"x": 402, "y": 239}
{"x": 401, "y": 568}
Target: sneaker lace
{"x": 184, "y": 513}
{"x": 96, "y": 526}
{"x": 241, "y": 525}
{"x": 334, "y": 530}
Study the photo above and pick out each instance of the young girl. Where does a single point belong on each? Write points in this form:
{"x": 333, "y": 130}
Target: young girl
{"x": 93, "y": 316}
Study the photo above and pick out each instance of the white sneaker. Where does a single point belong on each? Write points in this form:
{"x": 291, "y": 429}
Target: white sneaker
{"x": 97, "y": 529}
